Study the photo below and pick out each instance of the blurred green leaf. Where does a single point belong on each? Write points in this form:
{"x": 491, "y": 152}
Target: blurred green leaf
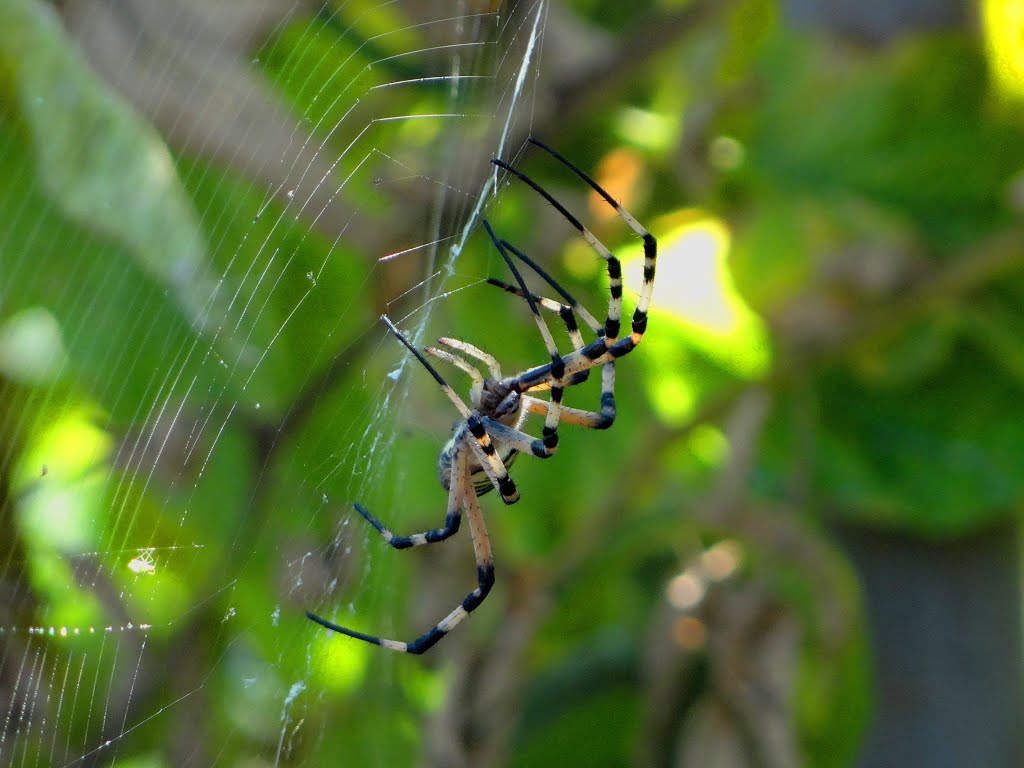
{"x": 95, "y": 160}
{"x": 91, "y": 286}
{"x": 101, "y": 233}
{"x": 910, "y": 130}
{"x": 932, "y": 457}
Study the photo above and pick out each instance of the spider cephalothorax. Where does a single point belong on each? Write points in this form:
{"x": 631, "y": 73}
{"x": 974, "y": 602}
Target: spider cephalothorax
{"x": 498, "y": 400}
{"x": 488, "y": 437}
{"x": 491, "y": 399}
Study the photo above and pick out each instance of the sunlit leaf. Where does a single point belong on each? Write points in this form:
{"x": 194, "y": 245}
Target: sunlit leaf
{"x": 1003, "y": 24}
{"x": 700, "y": 317}
{"x": 935, "y": 458}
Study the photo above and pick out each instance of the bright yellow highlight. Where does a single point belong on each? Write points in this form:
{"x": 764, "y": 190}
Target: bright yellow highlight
{"x": 59, "y": 482}
{"x": 645, "y": 129}
{"x": 1003, "y": 23}
{"x": 340, "y": 662}
{"x": 673, "y": 394}
{"x": 708, "y": 445}
{"x": 60, "y": 477}
{"x": 693, "y": 282}
{"x": 696, "y": 308}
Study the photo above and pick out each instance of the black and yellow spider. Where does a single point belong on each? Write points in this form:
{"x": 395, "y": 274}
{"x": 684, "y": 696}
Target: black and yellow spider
{"x": 488, "y": 437}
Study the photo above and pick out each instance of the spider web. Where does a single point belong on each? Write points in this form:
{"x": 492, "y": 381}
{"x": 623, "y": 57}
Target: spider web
{"x": 207, "y": 400}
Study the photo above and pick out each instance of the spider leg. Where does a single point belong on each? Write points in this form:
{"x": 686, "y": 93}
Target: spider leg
{"x": 457, "y": 361}
{"x": 562, "y": 310}
{"x": 475, "y": 352}
{"x": 517, "y": 439}
{"x": 460, "y": 406}
{"x": 550, "y": 432}
{"x": 523, "y": 442}
{"x": 590, "y": 419}
{"x": 490, "y": 461}
{"x": 461, "y": 493}
{"x": 612, "y": 320}
{"x": 451, "y": 521}
{"x": 608, "y": 348}
{"x": 588, "y": 318}
{"x": 650, "y": 244}
{"x": 566, "y": 311}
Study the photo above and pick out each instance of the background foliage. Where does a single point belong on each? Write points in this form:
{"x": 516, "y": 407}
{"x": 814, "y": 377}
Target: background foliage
{"x": 836, "y": 346}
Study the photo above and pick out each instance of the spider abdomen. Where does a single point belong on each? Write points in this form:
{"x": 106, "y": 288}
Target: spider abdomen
{"x": 482, "y": 483}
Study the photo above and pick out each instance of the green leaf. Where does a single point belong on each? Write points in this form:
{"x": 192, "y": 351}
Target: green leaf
{"x": 100, "y": 233}
{"x": 116, "y": 326}
{"x": 939, "y": 457}
{"x": 95, "y": 159}
{"x": 908, "y": 130}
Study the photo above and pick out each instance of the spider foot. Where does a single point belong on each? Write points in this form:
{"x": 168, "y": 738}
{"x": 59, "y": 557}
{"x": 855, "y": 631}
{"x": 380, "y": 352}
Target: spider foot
{"x": 485, "y": 580}
{"x": 373, "y": 521}
{"x": 417, "y": 539}
{"x": 394, "y": 645}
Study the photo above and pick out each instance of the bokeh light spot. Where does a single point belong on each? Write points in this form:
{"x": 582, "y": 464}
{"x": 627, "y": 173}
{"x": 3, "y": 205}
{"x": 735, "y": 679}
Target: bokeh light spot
{"x": 686, "y": 590}
{"x": 721, "y": 560}
{"x": 689, "y": 633}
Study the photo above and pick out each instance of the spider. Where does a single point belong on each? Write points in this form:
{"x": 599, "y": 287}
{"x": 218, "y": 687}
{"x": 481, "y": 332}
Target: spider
{"x": 488, "y": 438}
